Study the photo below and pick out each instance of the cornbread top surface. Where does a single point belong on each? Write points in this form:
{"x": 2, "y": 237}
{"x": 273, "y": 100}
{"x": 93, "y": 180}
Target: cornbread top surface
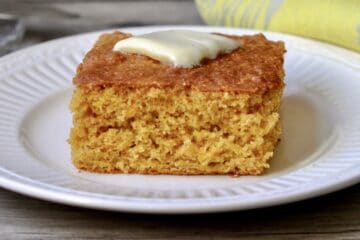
{"x": 255, "y": 67}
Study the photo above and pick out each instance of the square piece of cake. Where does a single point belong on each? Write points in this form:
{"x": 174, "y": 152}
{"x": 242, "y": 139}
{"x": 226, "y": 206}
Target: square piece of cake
{"x": 134, "y": 114}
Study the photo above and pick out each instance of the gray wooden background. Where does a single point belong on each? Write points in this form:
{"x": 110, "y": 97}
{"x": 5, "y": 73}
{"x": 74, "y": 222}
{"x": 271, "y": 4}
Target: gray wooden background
{"x": 48, "y": 19}
{"x": 334, "y": 216}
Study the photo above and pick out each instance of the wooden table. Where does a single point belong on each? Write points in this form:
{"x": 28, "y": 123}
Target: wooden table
{"x": 334, "y": 216}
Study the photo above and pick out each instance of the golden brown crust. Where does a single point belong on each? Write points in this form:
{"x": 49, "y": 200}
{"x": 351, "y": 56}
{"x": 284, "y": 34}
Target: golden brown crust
{"x": 171, "y": 172}
{"x": 255, "y": 67}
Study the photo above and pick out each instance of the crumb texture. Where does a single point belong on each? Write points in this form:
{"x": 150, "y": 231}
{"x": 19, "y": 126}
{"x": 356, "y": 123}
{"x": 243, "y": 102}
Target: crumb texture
{"x": 119, "y": 129}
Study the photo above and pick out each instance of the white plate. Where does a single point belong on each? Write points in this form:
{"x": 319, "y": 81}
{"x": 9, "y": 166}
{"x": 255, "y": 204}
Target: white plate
{"x": 319, "y": 152}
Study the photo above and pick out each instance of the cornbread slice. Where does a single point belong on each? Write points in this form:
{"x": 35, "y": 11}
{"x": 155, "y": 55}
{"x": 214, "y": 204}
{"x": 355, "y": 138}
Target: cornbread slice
{"x": 133, "y": 114}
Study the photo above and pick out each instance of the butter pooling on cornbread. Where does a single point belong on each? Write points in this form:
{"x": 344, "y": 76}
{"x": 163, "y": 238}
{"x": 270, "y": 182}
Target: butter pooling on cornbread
{"x": 133, "y": 114}
{"x": 178, "y": 48}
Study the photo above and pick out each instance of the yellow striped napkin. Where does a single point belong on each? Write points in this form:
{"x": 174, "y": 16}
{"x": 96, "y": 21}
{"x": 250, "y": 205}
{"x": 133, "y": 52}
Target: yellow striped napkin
{"x": 334, "y": 21}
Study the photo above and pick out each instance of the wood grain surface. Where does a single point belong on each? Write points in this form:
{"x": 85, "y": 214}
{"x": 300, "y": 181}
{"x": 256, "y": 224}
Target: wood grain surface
{"x": 334, "y": 216}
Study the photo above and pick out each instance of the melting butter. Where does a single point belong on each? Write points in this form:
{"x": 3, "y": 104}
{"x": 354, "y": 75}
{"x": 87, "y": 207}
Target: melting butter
{"x": 180, "y": 48}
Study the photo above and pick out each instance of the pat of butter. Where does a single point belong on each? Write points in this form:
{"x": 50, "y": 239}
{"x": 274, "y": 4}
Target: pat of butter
{"x": 180, "y": 48}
